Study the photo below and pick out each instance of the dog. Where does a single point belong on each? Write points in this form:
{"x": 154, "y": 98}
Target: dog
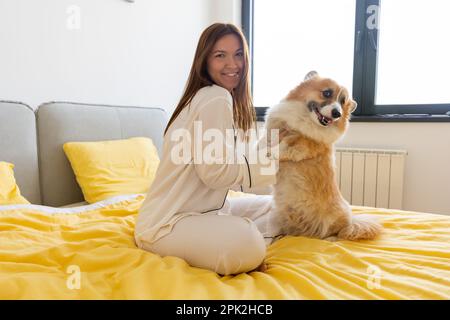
{"x": 307, "y": 200}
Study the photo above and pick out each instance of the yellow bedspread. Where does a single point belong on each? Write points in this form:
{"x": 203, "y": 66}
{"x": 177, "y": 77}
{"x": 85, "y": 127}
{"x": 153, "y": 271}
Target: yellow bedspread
{"x": 92, "y": 255}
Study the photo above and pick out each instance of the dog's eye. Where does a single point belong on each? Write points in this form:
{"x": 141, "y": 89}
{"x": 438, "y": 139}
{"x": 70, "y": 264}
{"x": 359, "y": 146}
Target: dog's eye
{"x": 327, "y": 93}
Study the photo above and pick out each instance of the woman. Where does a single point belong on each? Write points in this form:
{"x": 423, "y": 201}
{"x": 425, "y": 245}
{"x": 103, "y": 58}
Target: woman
{"x": 186, "y": 212}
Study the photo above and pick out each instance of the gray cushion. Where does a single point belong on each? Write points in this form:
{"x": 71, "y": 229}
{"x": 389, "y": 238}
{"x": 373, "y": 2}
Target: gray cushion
{"x": 18, "y": 146}
{"x": 61, "y": 122}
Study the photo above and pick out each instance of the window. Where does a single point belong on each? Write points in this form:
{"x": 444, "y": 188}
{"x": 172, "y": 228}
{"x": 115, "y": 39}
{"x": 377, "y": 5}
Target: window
{"x": 391, "y": 55}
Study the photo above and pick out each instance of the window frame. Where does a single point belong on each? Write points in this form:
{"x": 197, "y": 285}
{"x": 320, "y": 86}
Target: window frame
{"x": 364, "y": 74}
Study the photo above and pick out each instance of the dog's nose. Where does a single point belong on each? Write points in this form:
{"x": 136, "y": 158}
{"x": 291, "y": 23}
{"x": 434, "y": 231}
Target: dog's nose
{"x": 335, "y": 113}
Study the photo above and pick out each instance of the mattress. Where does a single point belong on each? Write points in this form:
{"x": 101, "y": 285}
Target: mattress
{"x": 88, "y": 252}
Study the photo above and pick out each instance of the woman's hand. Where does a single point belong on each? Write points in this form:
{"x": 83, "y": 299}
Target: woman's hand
{"x": 282, "y": 133}
{"x": 275, "y": 144}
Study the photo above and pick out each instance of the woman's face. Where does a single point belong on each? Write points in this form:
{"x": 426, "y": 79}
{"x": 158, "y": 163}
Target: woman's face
{"x": 226, "y": 62}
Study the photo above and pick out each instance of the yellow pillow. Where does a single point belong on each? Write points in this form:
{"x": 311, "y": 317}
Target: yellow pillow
{"x": 9, "y": 190}
{"x": 105, "y": 169}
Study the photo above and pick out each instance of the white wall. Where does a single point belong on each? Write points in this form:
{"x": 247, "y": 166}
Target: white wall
{"x": 226, "y": 11}
{"x": 427, "y": 175}
{"x": 123, "y": 53}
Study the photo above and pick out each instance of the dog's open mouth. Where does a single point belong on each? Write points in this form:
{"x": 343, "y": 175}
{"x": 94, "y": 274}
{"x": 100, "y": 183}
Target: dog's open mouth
{"x": 322, "y": 119}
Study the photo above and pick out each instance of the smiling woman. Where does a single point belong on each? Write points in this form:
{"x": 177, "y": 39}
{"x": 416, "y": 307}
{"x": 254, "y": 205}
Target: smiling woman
{"x": 221, "y": 58}
{"x": 187, "y": 213}
{"x": 226, "y": 62}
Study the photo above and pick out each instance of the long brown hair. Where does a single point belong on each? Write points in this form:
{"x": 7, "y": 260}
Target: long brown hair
{"x": 243, "y": 110}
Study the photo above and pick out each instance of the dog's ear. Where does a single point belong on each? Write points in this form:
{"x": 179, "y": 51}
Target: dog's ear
{"x": 310, "y": 75}
{"x": 354, "y": 105}
{"x": 347, "y": 100}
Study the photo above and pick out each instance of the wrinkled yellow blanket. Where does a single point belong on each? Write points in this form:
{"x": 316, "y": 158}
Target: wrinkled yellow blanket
{"x": 52, "y": 254}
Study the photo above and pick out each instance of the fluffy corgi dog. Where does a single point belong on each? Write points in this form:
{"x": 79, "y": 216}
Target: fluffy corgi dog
{"x": 307, "y": 199}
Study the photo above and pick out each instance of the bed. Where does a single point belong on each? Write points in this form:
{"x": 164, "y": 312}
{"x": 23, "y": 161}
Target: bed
{"x": 88, "y": 252}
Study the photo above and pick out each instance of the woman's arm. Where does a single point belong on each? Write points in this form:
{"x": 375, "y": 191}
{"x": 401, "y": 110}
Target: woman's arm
{"x": 217, "y": 161}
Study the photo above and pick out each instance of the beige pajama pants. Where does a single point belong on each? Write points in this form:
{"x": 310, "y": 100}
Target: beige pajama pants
{"x": 231, "y": 242}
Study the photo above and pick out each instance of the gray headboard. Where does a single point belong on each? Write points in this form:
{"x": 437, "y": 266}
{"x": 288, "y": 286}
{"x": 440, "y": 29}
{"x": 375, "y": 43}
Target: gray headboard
{"x": 18, "y": 146}
{"x": 61, "y": 122}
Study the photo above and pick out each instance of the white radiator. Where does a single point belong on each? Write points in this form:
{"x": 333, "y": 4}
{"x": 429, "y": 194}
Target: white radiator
{"x": 371, "y": 177}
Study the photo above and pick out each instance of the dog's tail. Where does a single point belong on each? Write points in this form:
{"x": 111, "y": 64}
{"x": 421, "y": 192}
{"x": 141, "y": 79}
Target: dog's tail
{"x": 362, "y": 227}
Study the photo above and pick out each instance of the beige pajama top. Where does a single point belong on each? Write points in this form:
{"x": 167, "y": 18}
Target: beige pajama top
{"x": 191, "y": 188}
